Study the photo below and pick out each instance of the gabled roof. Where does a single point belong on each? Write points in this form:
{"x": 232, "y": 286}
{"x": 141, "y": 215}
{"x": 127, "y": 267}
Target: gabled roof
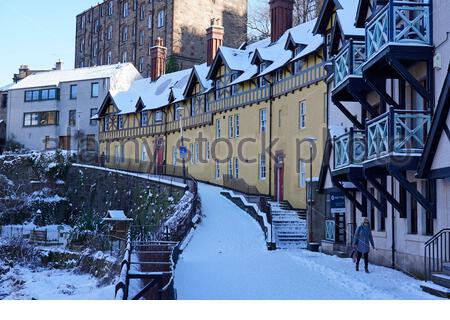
{"x": 325, "y": 14}
{"x": 363, "y": 11}
{"x": 234, "y": 59}
{"x": 125, "y": 72}
{"x": 116, "y": 215}
{"x": 152, "y": 95}
{"x": 198, "y": 75}
{"x": 438, "y": 126}
{"x": 345, "y": 16}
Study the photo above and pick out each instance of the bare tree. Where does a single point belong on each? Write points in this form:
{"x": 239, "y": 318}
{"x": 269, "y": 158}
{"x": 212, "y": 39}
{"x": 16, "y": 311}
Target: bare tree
{"x": 258, "y": 22}
{"x": 259, "y": 16}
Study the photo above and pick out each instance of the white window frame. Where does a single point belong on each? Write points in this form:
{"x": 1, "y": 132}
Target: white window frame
{"x": 263, "y": 120}
{"x": 149, "y": 22}
{"x": 191, "y": 149}
{"x": 207, "y": 151}
{"x": 109, "y": 58}
{"x": 144, "y": 119}
{"x": 230, "y": 127}
{"x": 109, "y": 33}
{"x": 262, "y": 167}
{"x": 158, "y": 116}
{"x": 141, "y": 64}
{"x": 197, "y": 150}
{"x": 218, "y": 129}
{"x": 261, "y": 80}
{"x": 301, "y": 174}
{"x": 144, "y": 154}
{"x": 125, "y": 10}
{"x": 302, "y": 114}
{"x": 217, "y": 169}
{"x": 141, "y": 38}
{"x": 236, "y": 126}
{"x": 161, "y": 18}
{"x": 230, "y": 168}
{"x": 236, "y": 168}
{"x": 124, "y": 57}
{"x": 120, "y": 122}
{"x": 110, "y": 8}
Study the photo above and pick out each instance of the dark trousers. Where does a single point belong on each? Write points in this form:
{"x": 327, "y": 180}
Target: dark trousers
{"x": 366, "y": 258}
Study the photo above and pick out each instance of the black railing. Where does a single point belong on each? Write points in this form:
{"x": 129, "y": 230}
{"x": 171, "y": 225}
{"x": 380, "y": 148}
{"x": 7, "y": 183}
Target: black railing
{"x": 156, "y": 248}
{"x": 437, "y": 252}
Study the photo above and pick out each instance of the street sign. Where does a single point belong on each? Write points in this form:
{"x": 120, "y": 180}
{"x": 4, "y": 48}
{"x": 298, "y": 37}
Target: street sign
{"x": 337, "y": 202}
{"x": 183, "y": 152}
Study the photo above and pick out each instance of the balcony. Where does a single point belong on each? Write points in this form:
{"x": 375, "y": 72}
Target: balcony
{"x": 198, "y": 120}
{"x": 399, "y": 22}
{"x": 349, "y": 61}
{"x": 349, "y": 149}
{"x": 304, "y": 78}
{"x": 400, "y": 133}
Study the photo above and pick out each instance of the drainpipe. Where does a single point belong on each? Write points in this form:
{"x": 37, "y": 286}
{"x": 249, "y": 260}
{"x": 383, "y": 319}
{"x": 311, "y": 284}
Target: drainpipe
{"x": 270, "y": 132}
{"x": 393, "y": 226}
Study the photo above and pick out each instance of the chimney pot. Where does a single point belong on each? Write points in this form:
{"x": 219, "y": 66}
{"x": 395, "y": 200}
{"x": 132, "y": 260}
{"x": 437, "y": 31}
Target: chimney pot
{"x": 158, "y": 54}
{"x": 214, "y": 38}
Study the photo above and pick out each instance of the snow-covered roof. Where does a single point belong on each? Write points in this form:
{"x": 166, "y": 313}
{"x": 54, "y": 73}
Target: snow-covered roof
{"x": 153, "y": 95}
{"x": 347, "y": 18}
{"x": 7, "y": 87}
{"x": 125, "y": 73}
{"x": 172, "y": 87}
{"x": 117, "y": 215}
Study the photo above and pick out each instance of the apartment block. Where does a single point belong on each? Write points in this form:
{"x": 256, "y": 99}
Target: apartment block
{"x": 117, "y": 31}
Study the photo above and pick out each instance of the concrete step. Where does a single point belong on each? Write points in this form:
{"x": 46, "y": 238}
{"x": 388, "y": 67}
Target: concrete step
{"x": 441, "y": 279}
{"x": 436, "y": 290}
{"x": 446, "y": 268}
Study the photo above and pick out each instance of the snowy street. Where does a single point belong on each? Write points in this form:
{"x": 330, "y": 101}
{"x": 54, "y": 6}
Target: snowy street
{"x": 227, "y": 259}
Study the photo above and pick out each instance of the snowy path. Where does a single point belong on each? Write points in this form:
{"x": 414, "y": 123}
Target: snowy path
{"x": 227, "y": 259}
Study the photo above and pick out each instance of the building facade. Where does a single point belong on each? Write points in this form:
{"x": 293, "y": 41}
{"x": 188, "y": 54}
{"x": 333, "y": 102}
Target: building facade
{"x": 124, "y": 31}
{"x": 53, "y": 109}
{"x": 388, "y": 73}
{"x": 248, "y": 119}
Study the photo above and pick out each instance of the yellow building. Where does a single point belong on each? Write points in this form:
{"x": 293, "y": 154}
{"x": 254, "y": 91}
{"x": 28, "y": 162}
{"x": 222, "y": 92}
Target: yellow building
{"x": 247, "y": 117}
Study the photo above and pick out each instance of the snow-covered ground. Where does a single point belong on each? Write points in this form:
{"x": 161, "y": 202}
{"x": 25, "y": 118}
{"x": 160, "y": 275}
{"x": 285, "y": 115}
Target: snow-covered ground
{"x": 22, "y": 283}
{"x": 227, "y": 259}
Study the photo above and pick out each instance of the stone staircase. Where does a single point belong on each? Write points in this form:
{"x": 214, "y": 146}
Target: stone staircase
{"x": 289, "y": 226}
{"x": 440, "y": 283}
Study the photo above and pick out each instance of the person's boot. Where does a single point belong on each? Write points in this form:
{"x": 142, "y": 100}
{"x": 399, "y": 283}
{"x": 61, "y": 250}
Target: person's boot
{"x": 366, "y": 269}
{"x": 357, "y": 267}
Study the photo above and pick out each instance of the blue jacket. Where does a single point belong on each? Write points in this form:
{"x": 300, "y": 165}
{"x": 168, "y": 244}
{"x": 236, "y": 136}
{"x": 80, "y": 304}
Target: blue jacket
{"x": 363, "y": 239}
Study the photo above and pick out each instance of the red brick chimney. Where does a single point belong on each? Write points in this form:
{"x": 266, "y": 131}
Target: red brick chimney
{"x": 158, "y": 55}
{"x": 214, "y": 38}
{"x": 281, "y": 12}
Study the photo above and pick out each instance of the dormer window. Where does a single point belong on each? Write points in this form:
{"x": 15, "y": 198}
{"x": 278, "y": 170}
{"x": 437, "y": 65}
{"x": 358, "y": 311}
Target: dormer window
{"x": 280, "y": 74}
{"x": 120, "y": 122}
{"x": 158, "y": 116}
{"x": 297, "y": 66}
{"x": 177, "y": 113}
{"x": 262, "y": 81}
{"x": 193, "y": 106}
{"x": 144, "y": 119}
{"x": 234, "y": 88}
{"x": 217, "y": 92}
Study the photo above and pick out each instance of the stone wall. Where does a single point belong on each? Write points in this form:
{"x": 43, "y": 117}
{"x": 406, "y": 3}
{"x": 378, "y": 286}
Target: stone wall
{"x": 184, "y": 31}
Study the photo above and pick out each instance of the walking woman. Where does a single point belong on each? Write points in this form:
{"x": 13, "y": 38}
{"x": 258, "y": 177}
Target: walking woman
{"x": 361, "y": 243}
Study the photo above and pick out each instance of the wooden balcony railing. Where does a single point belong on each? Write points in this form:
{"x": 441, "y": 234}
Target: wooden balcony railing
{"x": 349, "y": 149}
{"x": 349, "y": 61}
{"x": 402, "y": 132}
{"x": 399, "y": 22}
{"x": 304, "y": 78}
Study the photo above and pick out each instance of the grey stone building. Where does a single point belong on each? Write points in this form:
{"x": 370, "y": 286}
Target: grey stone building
{"x": 124, "y": 31}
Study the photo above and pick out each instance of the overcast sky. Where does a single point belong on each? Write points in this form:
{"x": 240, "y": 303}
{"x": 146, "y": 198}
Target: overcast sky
{"x": 39, "y": 32}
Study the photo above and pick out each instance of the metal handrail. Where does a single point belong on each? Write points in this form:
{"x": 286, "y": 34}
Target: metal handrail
{"x": 436, "y": 252}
